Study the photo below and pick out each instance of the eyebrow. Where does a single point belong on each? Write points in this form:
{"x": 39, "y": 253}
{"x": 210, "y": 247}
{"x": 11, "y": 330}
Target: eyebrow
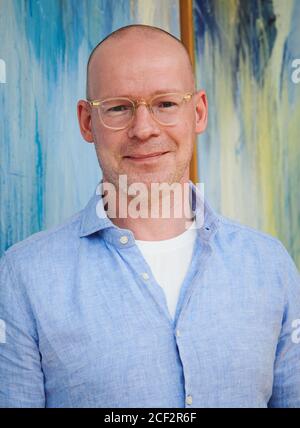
{"x": 153, "y": 94}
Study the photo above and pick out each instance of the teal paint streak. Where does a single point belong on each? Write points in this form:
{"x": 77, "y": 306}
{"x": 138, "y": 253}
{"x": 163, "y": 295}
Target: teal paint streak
{"x": 44, "y": 32}
{"x": 39, "y": 170}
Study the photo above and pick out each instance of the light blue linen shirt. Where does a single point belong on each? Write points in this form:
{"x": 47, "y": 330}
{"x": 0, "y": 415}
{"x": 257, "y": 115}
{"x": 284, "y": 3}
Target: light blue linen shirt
{"x": 85, "y": 327}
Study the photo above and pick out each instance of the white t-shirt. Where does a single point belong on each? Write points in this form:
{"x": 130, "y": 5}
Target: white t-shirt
{"x": 169, "y": 261}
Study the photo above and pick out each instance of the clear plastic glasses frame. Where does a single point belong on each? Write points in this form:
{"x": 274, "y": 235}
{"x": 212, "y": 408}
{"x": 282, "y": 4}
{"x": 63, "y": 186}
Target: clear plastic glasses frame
{"x": 171, "y": 113}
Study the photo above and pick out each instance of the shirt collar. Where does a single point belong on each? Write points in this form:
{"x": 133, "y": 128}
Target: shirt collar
{"x": 94, "y": 217}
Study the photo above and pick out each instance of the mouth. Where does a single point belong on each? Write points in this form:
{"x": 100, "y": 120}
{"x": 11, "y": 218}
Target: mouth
{"x": 146, "y": 157}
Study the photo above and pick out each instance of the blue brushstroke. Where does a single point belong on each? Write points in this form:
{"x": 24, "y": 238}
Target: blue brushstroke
{"x": 255, "y": 35}
{"x": 44, "y": 32}
{"x": 256, "y": 18}
{"x": 205, "y": 22}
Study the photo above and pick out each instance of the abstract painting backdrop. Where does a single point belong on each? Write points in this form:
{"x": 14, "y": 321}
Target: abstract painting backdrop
{"x": 47, "y": 172}
{"x": 249, "y": 159}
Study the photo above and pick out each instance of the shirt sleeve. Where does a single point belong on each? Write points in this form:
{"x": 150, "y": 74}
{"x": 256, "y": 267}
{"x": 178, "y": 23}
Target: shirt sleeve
{"x": 286, "y": 383}
{"x": 22, "y": 380}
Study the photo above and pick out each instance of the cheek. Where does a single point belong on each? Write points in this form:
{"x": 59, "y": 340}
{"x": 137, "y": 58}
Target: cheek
{"x": 108, "y": 146}
{"x": 185, "y": 136}
{"x": 187, "y": 125}
{"x": 106, "y": 143}
{"x": 107, "y": 152}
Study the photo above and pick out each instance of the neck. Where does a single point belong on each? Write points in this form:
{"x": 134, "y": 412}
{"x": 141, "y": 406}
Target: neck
{"x": 159, "y": 215}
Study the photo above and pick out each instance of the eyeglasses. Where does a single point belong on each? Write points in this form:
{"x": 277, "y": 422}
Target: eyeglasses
{"x": 118, "y": 113}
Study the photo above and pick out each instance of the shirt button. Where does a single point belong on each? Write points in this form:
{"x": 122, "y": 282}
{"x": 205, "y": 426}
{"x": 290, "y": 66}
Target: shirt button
{"x": 177, "y": 333}
{"x": 124, "y": 239}
{"x": 145, "y": 276}
{"x": 189, "y": 400}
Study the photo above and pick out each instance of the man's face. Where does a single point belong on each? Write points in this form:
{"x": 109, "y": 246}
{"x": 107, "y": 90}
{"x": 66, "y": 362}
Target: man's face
{"x": 136, "y": 69}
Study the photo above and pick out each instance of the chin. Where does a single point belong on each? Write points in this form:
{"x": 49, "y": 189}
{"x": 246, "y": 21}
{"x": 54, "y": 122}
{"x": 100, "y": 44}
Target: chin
{"x": 148, "y": 178}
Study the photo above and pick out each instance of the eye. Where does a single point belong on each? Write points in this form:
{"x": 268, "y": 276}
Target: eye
{"x": 166, "y": 104}
{"x": 119, "y": 108}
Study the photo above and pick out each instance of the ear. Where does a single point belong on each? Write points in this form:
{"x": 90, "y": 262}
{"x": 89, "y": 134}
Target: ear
{"x": 85, "y": 120}
{"x": 201, "y": 111}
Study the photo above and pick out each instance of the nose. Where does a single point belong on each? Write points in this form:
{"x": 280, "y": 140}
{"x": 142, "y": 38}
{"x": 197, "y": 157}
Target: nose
{"x": 143, "y": 125}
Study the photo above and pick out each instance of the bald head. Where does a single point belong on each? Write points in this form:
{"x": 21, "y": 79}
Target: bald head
{"x": 125, "y": 41}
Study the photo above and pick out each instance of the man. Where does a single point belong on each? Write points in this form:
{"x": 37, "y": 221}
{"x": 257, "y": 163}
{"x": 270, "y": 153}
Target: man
{"x": 113, "y": 310}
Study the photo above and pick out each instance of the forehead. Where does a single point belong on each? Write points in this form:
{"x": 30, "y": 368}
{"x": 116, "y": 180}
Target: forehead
{"x": 139, "y": 66}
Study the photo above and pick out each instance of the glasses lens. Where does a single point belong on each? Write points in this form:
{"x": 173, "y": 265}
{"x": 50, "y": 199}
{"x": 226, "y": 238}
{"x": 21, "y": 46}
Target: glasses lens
{"x": 116, "y": 112}
{"x": 166, "y": 108}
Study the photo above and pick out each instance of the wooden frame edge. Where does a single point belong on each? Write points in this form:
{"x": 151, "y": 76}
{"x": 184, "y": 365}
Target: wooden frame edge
{"x": 187, "y": 38}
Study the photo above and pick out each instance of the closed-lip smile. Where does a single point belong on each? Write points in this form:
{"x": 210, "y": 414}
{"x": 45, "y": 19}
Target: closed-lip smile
{"x": 146, "y": 156}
